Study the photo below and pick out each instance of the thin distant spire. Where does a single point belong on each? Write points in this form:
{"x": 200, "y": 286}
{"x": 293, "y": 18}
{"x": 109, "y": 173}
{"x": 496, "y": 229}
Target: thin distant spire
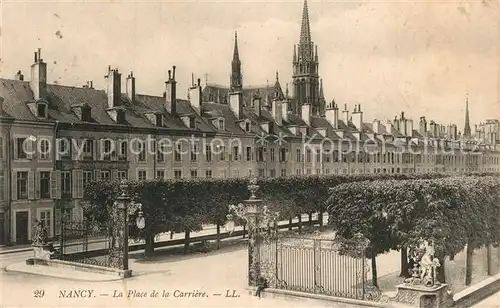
{"x": 467, "y": 130}
{"x": 305, "y": 31}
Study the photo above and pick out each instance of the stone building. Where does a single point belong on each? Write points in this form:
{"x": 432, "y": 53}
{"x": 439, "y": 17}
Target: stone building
{"x": 56, "y": 138}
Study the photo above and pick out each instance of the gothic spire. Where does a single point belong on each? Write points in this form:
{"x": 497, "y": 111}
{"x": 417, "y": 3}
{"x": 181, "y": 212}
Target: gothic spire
{"x": 321, "y": 94}
{"x": 236, "y": 55}
{"x": 305, "y": 30}
{"x": 467, "y": 131}
{"x": 236, "y": 80}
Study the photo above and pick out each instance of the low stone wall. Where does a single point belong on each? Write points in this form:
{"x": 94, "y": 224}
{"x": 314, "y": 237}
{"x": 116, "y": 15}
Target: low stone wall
{"x": 89, "y": 268}
{"x": 339, "y": 301}
{"x": 477, "y": 292}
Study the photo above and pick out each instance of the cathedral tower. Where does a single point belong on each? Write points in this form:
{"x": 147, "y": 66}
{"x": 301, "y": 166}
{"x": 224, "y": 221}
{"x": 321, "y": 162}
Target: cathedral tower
{"x": 305, "y": 69}
{"x": 236, "y": 80}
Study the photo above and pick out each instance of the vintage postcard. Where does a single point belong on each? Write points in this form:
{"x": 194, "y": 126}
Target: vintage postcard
{"x": 286, "y": 153}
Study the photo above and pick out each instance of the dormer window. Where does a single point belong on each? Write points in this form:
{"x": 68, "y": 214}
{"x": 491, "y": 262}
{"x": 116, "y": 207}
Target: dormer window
{"x": 120, "y": 116}
{"x": 189, "y": 121}
{"x": 221, "y": 124}
{"x": 247, "y": 127}
{"x": 41, "y": 109}
{"x": 159, "y": 119}
{"x": 192, "y": 122}
{"x": 86, "y": 113}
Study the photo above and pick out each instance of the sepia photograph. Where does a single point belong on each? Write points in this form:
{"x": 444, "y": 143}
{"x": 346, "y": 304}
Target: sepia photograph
{"x": 250, "y": 153}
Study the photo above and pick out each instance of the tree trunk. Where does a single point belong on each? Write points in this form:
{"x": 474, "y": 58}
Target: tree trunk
{"x": 320, "y": 218}
{"x": 310, "y": 219}
{"x": 441, "y": 273}
{"x": 300, "y": 222}
{"x": 488, "y": 256}
{"x": 374, "y": 267}
{"x": 468, "y": 263}
{"x": 171, "y": 235}
{"x": 290, "y": 222}
{"x": 186, "y": 242}
{"x": 149, "y": 246}
{"x": 244, "y": 230}
{"x": 218, "y": 236}
{"x": 404, "y": 263}
{"x": 452, "y": 257}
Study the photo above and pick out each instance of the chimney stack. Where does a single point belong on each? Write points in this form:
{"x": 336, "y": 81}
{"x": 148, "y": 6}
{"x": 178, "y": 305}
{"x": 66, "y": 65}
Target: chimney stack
{"x": 114, "y": 87}
{"x": 38, "y": 82}
{"x": 332, "y": 114}
{"x": 257, "y": 105}
{"x": 131, "y": 87}
{"x": 345, "y": 115}
{"x": 19, "y": 76}
{"x": 357, "y": 117}
{"x": 277, "y": 110}
{"x": 171, "y": 92}
{"x": 306, "y": 113}
{"x": 194, "y": 93}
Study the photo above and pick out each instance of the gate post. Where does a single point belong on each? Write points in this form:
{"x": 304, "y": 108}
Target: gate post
{"x": 119, "y": 248}
{"x": 253, "y": 214}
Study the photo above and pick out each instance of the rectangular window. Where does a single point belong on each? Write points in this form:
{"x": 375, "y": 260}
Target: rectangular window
{"x": 178, "y": 150}
{"x": 160, "y": 153}
{"x": 208, "y": 153}
{"x": 141, "y": 175}
{"x": 208, "y": 174}
{"x": 44, "y": 149}
{"x": 283, "y": 155}
{"x": 260, "y": 154}
{"x": 22, "y": 185}
{"x": 318, "y": 171}
{"x": 236, "y": 151}
{"x": 177, "y": 174}
{"x": 223, "y": 174}
{"x": 222, "y": 153}
{"x": 66, "y": 184}
{"x": 88, "y": 148}
{"x": 272, "y": 154}
{"x": 142, "y": 151}
{"x": 21, "y": 154}
{"x": 298, "y": 171}
{"x": 122, "y": 175}
{"x": 122, "y": 152}
{"x": 45, "y": 220}
{"x": 283, "y": 172}
{"x": 308, "y": 155}
{"x": 105, "y": 175}
{"x": 272, "y": 173}
{"x": 327, "y": 171}
{"x": 194, "y": 173}
{"x": 298, "y": 155}
{"x": 318, "y": 155}
{"x": 107, "y": 150}
{"x": 308, "y": 171}
{"x": 194, "y": 153}
{"x": 261, "y": 173}
{"x": 87, "y": 177}
{"x": 160, "y": 174}
{"x": 45, "y": 185}
{"x": 248, "y": 154}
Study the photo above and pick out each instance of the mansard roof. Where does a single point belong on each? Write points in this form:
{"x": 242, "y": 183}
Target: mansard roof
{"x": 62, "y": 98}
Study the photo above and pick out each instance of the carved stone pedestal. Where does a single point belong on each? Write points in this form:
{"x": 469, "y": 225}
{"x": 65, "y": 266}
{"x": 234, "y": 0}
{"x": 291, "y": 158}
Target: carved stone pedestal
{"x": 420, "y": 296}
{"x": 43, "y": 251}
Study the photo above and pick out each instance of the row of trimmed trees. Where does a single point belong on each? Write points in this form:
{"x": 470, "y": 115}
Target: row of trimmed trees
{"x": 185, "y": 205}
{"x": 452, "y": 212}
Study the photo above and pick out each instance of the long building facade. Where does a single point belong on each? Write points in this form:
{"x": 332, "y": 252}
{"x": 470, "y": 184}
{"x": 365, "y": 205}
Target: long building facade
{"x": 54, "y": 138}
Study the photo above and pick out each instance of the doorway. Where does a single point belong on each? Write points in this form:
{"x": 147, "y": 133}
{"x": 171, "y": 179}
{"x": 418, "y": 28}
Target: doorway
{"x": 22, "y": 227}
{"x": 2, "y": 228}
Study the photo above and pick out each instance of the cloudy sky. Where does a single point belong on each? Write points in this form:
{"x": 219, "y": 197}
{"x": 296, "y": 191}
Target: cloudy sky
{"x": 421, "y": 57}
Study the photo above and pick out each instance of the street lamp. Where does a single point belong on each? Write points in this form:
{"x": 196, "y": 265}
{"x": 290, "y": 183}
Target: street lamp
{"x": 140, "y": 221}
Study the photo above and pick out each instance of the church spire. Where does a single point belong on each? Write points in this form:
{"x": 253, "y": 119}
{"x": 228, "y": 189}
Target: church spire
{"x": 467, "y": 131}
{"x": 236, "y": 80}
{"x": 305, "y": 30}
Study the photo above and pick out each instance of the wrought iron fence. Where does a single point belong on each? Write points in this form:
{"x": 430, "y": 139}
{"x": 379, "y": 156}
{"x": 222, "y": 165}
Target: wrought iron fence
{"x": 313, "y": 265}
{"x": 75, "y": 239}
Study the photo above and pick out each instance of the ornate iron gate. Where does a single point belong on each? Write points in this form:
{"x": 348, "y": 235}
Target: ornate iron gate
{"x": 313, "y": 265}
{"x": 77, "y": 236}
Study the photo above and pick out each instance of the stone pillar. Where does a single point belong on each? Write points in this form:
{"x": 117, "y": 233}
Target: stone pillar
{"x": 253, "y": 212}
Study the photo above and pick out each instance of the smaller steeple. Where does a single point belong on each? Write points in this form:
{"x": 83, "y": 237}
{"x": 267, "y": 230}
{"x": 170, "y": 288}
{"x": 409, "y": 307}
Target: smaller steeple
{"x": 236, "y": 80}
{"x": 467, "y": 130}
{"x": 294, "y": 53}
